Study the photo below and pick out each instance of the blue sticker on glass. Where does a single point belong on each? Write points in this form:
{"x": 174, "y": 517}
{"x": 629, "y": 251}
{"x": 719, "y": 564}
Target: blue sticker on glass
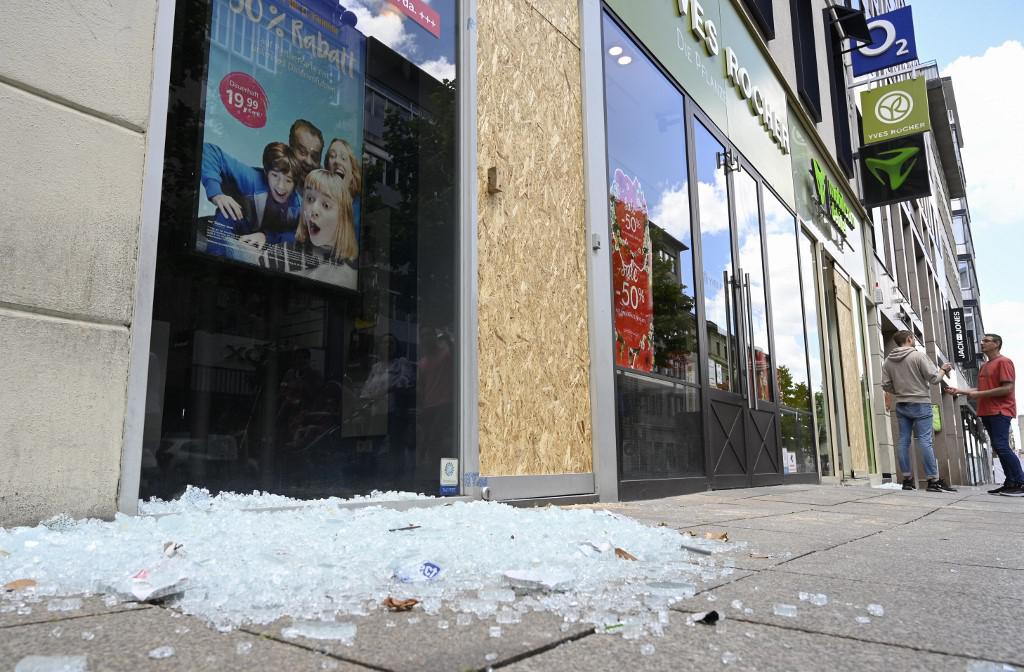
{"x": 894, "y": 43}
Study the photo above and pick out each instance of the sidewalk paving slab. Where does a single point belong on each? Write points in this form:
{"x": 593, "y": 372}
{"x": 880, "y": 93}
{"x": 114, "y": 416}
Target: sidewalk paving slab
{"x": 960, "y": 546}
{"x": 121, "y": 642}
{"x": 40, "y": 613}
{"x": 965, "y": 627}
{"x": 924, "y": 575}
{"x": 414, "y": 642}
{"x": 756, "y": 647}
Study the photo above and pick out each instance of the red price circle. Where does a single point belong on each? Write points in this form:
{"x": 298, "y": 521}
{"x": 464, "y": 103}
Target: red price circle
{"x": 244, "y": 99}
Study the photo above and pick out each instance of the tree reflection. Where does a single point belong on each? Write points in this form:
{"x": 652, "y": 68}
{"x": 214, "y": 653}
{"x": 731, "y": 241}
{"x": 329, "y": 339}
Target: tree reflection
{"x": 675, "y": 327}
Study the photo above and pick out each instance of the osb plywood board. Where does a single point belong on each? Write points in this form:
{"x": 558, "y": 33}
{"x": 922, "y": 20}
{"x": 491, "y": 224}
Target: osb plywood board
{"x": 851, "y": 376}
{"x": 534, "y": 356}
{"x": 564, "y": 15}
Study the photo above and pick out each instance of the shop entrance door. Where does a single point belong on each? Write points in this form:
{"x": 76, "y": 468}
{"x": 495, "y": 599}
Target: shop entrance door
{"x": 854, "y": 460}
{"x": 743, "y": 447}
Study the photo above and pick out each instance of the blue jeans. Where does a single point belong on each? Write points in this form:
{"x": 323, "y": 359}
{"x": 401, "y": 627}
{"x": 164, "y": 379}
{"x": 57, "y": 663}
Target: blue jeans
{"x": 998, "y": 428}
{"x": 916, "y": 417}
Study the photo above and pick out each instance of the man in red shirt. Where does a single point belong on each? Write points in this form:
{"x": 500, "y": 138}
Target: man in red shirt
{"x": 997, "y": 406}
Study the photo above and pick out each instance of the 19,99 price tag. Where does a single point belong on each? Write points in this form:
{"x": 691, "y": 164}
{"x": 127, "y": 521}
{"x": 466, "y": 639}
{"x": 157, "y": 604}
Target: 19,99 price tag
{"x": 244, "y": 99}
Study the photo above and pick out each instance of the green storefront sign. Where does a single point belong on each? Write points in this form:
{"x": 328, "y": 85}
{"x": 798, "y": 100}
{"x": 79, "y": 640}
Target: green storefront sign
{"x": 832, "y": 199}
{"x": 894, "y": 171}
{"x": 895, "y": 111}
{"x": 706, "y": 47}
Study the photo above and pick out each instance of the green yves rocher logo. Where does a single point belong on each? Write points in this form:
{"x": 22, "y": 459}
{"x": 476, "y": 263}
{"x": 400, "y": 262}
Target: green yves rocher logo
{"x": 831, "y": 198}
{"x": 895, "y": 168}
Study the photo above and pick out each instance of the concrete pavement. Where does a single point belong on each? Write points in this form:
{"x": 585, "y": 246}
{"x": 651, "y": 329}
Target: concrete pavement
{"x": 946, "y": 569}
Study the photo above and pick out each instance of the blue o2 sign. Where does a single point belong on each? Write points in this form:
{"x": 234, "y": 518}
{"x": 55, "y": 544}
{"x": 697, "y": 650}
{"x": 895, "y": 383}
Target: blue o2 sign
{"x": 893, "y": 34}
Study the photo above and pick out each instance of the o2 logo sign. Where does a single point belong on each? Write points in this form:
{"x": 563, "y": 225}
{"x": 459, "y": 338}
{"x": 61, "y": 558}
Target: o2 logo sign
{"x": 894, "y": 43}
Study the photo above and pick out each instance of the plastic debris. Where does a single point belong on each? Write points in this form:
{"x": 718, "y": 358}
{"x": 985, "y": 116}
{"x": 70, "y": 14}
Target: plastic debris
{"x": 171, "y": 549}
{"x": 704, "y": 617}
{"x": 57, "y": 632}
{"x": 819, "y": 599}
{"x": 494, "y": 631}
{"x": 647, "y": 649}
{"x": 419, "y": 571}
{"x": 888, "y": 486}
{"x": 161, "y": 652}
{"x": 876, "y": 610}
{"x": 624, "y": 555}
{"x": 785, "y": 610}
{"x": 863, "y": 620}
{"x": 393, "y": 604}
{"x": 161, "y": 580}
{"x": 803, "y": 596}
{"x": 463, "y": 619}
{"x": 491, "y": 657}
{"x": 52, "y": 664}
{"x": 728, "y": 657}
{"x": 88, "y": 636}
{"x": 736, "y": 604}
{"x": 19, "y": 584}
{"x": 442, "y": 625}
{"x": 243, "y": 648}
{"x": 322, "y": 630}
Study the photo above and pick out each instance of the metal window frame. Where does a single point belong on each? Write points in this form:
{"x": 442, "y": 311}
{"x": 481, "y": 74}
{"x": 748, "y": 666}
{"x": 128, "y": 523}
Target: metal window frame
{"x": 142, "y": 313}
{"x": 145, "y": 263}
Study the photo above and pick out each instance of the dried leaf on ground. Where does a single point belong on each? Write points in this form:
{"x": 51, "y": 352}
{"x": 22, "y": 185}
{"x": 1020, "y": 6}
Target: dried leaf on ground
{"x": 625, "y": 555}
{"x": 400, "y": 605}
{"x": 20, "y": 584}
{"x": 717, "y": 536}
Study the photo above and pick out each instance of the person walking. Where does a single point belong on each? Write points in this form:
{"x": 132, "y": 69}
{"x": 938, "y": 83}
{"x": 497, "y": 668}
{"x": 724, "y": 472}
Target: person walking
{"x": 907, "y": 375}
{"x": 997, "y": 406}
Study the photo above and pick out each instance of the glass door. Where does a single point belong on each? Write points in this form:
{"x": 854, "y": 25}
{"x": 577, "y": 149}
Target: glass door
{"x": 742, "y": 426}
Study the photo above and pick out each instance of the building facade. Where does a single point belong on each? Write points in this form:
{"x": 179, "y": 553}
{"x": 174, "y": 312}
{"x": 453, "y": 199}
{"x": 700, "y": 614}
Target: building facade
{"x": 535, "y": 249}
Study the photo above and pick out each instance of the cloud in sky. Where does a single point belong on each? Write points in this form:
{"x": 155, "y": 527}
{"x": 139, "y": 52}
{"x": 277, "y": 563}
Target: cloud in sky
{"x": 989, "y": 104}
{"x": 439, "y": 68}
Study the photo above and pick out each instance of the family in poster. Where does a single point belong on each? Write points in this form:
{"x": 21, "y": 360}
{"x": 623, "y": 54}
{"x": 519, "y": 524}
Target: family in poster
{"x": 281, "y": 171}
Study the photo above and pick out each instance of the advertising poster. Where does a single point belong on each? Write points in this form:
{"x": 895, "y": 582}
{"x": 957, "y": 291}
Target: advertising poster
{"x": 894, "y": 171}
{"x": 631, "y": 274}
{"x": 281, "y": 170}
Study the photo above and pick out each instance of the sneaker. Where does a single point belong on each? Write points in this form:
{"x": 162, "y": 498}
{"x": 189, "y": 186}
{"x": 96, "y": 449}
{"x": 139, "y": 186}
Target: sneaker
{"x": 908, "y": 484}
{"x": 1016, "y": 490}
{"x": 1002, "y": 487}
{"x": 939, "y": 485}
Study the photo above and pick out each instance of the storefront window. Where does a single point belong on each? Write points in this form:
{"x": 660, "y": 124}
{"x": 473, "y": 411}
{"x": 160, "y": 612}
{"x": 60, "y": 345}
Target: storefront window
{"x": 815, "y": 355}
{"x": 655, "y": 320}
{"x": 748, "y": 241}
{"x": 793, "y": 380}
{"x": 304, "y": 315}
{"x": 716, "y": 252}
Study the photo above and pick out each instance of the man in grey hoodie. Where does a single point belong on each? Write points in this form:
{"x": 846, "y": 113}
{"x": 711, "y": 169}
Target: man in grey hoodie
{"x": 908, "y": 375}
